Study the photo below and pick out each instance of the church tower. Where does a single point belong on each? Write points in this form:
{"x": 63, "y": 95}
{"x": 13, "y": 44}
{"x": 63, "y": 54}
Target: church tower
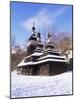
{"x": 32, "y": 42}
{"x": 50, "y": 42}
{"x": 39, "y": 43}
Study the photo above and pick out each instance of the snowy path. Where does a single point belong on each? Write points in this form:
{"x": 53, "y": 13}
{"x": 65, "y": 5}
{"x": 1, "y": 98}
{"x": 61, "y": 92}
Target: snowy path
{"x": 28, "y": 86}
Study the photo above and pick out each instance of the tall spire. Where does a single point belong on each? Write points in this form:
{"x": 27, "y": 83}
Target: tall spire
{"x": 38, "y": 37}
{"x": 33, "y": 35}
{"x": 40, "y": 45}
{"x": 32, "y": 44}
{"x": 50, "y": 43}
{"x": 33, "y": 28}
{"x": 49, "y": 35}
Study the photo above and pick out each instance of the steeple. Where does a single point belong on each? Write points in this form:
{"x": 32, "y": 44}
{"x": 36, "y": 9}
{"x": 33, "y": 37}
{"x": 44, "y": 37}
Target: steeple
{"x": 39, "y": 44}
{"x": 49, "y": 43}
{"x": 32, "y": 43}
{"x": 49, "y": 35}
{"x": 33, "y": 28}
{"x": 33, "y": 35}
{"x": 38, "y": 37}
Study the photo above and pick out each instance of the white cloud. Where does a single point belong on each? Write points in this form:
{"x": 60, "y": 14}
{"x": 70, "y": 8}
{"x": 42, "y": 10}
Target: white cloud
{"x": 43, "y": 18}
{"x": 40, "y": 19}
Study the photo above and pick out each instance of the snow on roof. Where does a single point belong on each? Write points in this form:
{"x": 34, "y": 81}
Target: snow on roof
{"x": 28, "y": 56}
{"x": 39, "y": 62}
{"x": 54, "y": 56}
{"x": 36, "y": 54}
{"x": 52, "y": 50}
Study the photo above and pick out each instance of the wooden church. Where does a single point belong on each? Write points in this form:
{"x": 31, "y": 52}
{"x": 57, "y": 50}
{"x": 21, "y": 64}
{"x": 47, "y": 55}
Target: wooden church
{"x": 41, "y": 59}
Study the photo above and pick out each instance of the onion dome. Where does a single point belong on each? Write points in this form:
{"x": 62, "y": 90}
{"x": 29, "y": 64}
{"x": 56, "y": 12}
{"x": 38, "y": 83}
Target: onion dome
{"x": 32, "y": 43}
{"x": 33, "y": 28}
{"x": 39, "y": 44}
{"x": 50, "y": 43}
{"x": 33, "y": 36}
{"x": 38, "y": 37}
{"x": 39, "y": 40}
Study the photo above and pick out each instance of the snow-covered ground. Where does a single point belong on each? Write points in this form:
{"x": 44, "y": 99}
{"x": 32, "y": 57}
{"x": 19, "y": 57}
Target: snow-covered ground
{"x": 28, "y": 86}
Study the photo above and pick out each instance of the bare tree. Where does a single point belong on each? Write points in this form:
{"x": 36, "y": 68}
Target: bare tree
{"x": 64, "y": 42}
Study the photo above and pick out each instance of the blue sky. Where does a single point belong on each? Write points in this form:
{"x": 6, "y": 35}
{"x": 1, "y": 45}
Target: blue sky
{"x": 47, "y": 18}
